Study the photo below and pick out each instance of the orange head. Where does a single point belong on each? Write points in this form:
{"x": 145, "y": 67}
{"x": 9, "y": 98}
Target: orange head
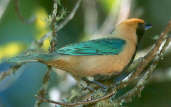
{"x": 130, "y": 24}
{"x": 133, "y": 26}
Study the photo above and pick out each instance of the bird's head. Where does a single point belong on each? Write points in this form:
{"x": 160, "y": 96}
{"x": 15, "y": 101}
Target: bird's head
{"x": 134, "y": 25}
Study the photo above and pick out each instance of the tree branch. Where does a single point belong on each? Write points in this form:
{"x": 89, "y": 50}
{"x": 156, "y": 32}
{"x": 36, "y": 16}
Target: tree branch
{"x": 140, "y": 85}
{"x": 43, "y": 90}
{"x": 53, "y": 25}
{"x": 12, "y": 70}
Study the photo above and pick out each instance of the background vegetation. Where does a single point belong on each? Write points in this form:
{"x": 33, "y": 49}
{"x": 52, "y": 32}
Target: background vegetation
{"x": 94, "y": 17}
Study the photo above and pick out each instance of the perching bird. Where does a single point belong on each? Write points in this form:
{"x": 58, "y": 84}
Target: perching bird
{"x": 106, "y": 56}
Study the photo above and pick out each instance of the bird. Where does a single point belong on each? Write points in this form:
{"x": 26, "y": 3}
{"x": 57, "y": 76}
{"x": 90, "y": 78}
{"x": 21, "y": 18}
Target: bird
{"x": 105, "y": 56}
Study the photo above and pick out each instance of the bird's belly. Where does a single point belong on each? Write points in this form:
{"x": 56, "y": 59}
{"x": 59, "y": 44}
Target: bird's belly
{"x": 91, "y": 65}
{"x": 99, "y": 65}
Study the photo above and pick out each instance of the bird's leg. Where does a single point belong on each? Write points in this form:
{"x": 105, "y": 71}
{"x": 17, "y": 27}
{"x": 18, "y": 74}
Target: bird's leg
{"x": 100, "y": 85}
{"x": 83, "y": 84}
{"x": 90, "y": 80}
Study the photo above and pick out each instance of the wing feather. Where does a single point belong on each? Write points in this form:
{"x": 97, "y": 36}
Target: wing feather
{"x": 110, "y": 46}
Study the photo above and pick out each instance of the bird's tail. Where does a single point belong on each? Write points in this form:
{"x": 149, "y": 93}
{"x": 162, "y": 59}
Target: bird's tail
{"x": 32, "y": 58}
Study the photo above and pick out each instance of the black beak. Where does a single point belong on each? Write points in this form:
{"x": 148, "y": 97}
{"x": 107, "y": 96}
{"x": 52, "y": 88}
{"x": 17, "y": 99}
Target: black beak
{"x": 148, "y": 26}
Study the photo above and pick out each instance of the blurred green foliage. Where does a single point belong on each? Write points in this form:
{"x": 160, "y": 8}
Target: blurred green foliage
{"x": 15, "y": 37}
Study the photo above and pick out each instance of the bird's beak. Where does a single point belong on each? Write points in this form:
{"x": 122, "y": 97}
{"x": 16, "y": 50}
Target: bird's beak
{"x": 148, "y": 26}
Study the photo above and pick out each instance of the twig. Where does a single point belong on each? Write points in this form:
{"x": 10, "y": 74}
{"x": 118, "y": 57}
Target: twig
{"x": 40, "y": 41}
{"x": 141, "y": 66}
{"x": 69, "y": 17}
{"x": 168, "y": 40}
{"x": 53, "y": 24}
{"x": 37, "y": 44}
{"x": 54, "y": 14}
{"x": 12, "y": 70}
{"x": 77, "y": 103}
{"x": 43, "y": 89}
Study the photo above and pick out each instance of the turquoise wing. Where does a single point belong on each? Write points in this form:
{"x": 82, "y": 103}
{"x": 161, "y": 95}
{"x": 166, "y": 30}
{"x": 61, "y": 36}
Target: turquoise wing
{"x": 110, "y": 46}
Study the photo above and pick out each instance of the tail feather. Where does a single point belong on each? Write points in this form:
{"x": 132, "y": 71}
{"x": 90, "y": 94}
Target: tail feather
{"x": 32, "y": 58}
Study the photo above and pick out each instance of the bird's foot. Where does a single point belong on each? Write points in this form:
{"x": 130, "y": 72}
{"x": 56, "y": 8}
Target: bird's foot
{"x": 83, "y": 85}
{"x": 90, "y": 80}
